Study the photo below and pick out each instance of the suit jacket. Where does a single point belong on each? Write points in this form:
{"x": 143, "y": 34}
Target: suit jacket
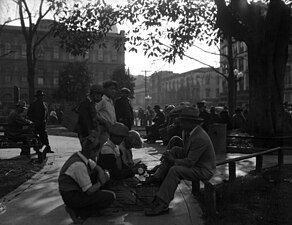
{"x": 38, "y": 112}
{"x": 124, "y": 111}
{"x": 86, "y": 113}
{"x": 199, "y": 150}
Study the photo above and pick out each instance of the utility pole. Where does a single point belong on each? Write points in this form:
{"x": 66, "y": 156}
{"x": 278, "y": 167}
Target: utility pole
{"x": 145, "y": 71}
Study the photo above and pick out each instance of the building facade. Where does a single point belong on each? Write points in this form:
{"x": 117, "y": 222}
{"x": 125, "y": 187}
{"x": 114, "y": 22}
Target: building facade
{"x": 239, "y": 50}
{"x": 193, "y": 86}
{"x": 51, "y": 59}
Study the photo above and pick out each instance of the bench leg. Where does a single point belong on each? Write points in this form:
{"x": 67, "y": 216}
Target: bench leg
{"x": 210, "y": 199}
{"x": 195, "y": 187}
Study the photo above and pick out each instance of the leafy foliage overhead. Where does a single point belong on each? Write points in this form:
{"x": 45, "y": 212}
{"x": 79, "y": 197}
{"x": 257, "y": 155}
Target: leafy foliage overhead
{"x": 74, "y": 81}
{"x": 181, "y": 22}
{"x": 124, "y": 80}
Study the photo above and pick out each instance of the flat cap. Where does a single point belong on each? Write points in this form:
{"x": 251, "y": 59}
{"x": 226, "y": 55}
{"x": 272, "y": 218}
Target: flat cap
{"x": 119, "y": 129}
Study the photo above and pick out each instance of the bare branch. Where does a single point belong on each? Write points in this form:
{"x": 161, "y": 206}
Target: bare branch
{"x": 213, "y": 53}
{"x": 27, "y": 11}
{"x": 7, "y": 53}
{"x": 41, "y": 16}
{"x": 23, "y": 28}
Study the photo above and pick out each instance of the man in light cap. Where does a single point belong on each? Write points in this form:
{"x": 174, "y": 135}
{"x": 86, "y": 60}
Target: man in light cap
{"x": 80, "y": 182}
{"x": 87, "y": 115}
{"x": 123, "y": 108}
{"x": 194, "y": 161}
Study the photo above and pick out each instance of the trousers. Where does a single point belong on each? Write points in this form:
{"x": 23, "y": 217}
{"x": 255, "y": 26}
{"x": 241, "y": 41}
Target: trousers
{"x": 173, "y": 174}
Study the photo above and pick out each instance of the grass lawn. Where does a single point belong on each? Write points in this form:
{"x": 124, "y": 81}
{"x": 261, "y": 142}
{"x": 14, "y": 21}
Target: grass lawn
{"x": 15, "y": 171}
{"x": 256, "y": 200}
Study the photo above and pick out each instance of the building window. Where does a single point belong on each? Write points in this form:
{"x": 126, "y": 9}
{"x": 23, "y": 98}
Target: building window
{"x": 23, "y": 79}
{"x": 100, "y": 54}
{"x": 114, "y": 55}
{"x": 23, "y": 50}
{"x": 288, "y": 75}
{"x": 56, "y": 52}
{"x": 86, "y": 55}
{"x": 207, "y": 92}
{"x": 208, "y": 79}
{"x": 7, "y": 48}
{"x": 40, "y": 81}
{"x": 56, "y": 73}
{"x": 217, "y": 92}
{"x": 56, "y": 81}
{"x": 8, "y": 79}
{"x": 71, "y": 57}
{"x": 41, "y": 51}
{"x": 47, "y": 54}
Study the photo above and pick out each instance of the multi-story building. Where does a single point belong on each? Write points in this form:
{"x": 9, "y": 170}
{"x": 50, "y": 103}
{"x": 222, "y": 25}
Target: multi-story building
{"x": 51, "y": 60}
{"x": 167, "y": 87}
{"x": 239, "y": 50}
{"x": 141, "y": 92}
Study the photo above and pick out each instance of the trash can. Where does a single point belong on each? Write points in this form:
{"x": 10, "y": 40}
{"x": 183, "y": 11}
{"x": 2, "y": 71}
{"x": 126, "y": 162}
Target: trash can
{"x": 217, "y": 133}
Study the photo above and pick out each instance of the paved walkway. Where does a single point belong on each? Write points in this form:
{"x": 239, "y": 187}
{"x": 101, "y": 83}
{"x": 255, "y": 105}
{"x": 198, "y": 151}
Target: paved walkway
{"x": 38, "y": 201}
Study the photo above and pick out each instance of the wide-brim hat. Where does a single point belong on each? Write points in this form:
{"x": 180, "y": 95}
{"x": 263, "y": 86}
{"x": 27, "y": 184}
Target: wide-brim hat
{"x": 135, "y": 139}
{"x": 21, "y": 104}
{"x": 39, "y": 93}
{"x": 96, "y": 88}
{"x": 189, "y": 113}
{"x": 119, "y": 129}
{"x": 125, "y": 90}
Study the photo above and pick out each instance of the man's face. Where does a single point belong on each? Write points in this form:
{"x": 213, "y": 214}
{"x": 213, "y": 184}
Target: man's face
{"x": 96, "y": 97}
{"x": 111, "y": 91}
{"x": 116, "y": 139}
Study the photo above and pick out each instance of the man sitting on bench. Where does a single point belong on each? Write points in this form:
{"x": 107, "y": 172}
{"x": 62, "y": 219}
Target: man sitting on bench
{"x": 16, "y": 130}
{"x": 195, "y": 161}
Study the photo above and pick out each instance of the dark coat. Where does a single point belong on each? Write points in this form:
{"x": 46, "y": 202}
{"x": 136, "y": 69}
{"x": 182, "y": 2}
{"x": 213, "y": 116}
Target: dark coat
{"x": 38, "y": 112}
{"x": 86, "y": 114}
{"x": 16, "y": 122}
{"x": 124, "y": 111}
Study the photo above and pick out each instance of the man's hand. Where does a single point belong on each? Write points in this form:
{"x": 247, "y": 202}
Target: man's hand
{"x": 169, "y": 157}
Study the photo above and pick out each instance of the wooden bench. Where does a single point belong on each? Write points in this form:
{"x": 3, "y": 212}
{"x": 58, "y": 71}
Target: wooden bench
{"x": 33, "y": 142}
{"x": 209, "y": 191}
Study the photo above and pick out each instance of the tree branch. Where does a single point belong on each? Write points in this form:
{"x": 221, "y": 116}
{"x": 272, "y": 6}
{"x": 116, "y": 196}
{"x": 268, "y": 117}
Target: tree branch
{"x": 23, "y": 28}
{"x": 7, "y": 53}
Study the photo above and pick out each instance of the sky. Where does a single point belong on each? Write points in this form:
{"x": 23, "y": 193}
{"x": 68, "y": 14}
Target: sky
{"x": 138, "y": 63}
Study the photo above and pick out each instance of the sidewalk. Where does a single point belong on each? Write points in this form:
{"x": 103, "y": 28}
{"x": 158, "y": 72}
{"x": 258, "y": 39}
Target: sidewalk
{"x": 38, "y": 201}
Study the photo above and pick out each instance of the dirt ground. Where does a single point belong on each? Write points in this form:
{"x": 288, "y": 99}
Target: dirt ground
{"x": 257, "y": 200}
{"x": 15, "y": 171}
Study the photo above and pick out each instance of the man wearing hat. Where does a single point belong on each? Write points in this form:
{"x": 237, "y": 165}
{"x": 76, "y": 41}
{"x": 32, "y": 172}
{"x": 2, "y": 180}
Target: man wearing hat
{"x": 80, "y": 182}
{"x": 15, "y": 129}
{"x": 123, "y": 108}
{"x": 88, "y": 119}
{"x": 153, "y": 130}
{"x": 110, "y": 157}
{"x": 196, "y": 160}
{"x": 38, "y": 113}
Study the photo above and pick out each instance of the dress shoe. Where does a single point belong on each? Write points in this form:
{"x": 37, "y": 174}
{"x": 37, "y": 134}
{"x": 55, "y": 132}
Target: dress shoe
{"x": 76, "y": 219}
{"x": 158, "y": 208}
{"x": 48, "y": 149}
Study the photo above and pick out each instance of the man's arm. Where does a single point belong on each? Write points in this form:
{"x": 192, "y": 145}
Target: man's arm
{"x": 197, "y": 147}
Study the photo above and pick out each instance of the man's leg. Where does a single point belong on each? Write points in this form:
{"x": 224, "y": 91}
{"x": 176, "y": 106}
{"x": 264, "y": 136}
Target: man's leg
{"x": 41, "y": 130}
{"x": 168, "y": 187}
{"x": 87, "y": 205}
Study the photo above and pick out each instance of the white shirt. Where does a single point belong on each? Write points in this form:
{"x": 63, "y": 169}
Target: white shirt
{"x": 78, "y": 171}
{"x": 106, "y": 109}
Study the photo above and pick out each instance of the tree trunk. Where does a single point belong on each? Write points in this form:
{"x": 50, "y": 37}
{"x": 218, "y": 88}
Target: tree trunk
{"x": 266, "y": 33}
{"x": 30, "y": 72}
{"x": 232, "y": 91}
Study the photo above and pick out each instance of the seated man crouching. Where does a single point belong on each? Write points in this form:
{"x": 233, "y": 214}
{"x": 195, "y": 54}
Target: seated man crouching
{"x": 194, "y": 161}
{"x": 116, "y": 157}
{"x": 81, "y": 181}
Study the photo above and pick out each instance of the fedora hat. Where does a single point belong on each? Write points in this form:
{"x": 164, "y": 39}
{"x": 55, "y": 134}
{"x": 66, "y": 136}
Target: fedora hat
{"x": 39, "y": 93}
{"x": 96, "y": 88}
{"x": 119, "y": 129}
{"x": 21, "y": 104}
{"x": 190, "y": 113}
{"x": 125, "y": 90}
